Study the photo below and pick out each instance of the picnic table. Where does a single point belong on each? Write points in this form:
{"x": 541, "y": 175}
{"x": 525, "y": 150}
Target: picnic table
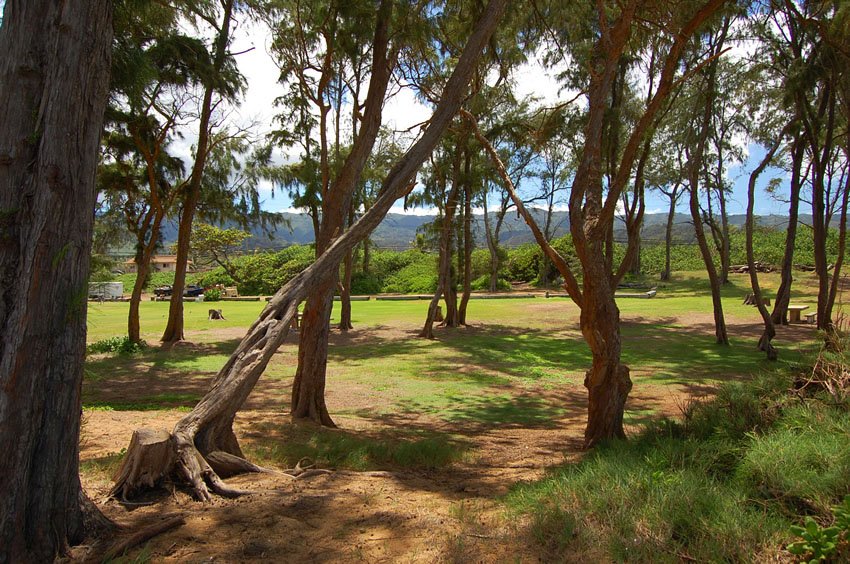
{"x": 794, "y": 312}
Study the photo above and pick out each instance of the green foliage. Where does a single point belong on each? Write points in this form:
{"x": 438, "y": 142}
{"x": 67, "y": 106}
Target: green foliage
{"x": 266, "y": 273}
{"x": 212, "y": 295}
{"x": 211, "y": 244}
{"x": 121, "y": 345}
{"x": 406, "y": 272}
{"x": 817, "y": 543}
{"x": 483, "y": 283}
{"x": 523, "y": 262}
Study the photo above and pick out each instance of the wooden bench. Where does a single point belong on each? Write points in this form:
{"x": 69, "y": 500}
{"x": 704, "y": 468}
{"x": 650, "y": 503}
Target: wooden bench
{"x": 794, "y": 313}
{"x": 811, "y": 317}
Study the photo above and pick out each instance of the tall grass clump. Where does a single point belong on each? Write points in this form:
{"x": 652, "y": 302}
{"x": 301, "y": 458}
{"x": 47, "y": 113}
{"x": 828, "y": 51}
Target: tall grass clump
{"x": 729, "y": 481}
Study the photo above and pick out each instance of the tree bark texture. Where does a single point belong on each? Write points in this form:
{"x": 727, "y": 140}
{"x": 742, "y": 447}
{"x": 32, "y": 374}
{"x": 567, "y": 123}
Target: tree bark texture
{"x": 174, "y": 326}
{"x": 204, "y": 439}
{"x": 54, "y": 79}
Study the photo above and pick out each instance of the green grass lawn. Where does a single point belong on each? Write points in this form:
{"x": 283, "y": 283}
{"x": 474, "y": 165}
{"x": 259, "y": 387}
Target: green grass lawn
{"x": 527, "y": 345}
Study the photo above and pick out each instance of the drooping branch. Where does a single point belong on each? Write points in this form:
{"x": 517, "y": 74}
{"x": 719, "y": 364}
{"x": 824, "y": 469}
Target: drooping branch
{"x": 570, "y": 282}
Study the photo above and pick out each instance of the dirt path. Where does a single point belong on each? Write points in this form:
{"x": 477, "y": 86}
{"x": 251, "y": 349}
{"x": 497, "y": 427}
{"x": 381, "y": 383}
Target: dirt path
{"x": 446, "y": 515}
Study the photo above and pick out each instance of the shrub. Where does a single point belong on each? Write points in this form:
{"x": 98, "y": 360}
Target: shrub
{"x": 121, "y": 345}
{"x": 212, "y": 295}
{"x": 725, "y": 484}
{"x": 523, "y": 262}
{"x": 365, "y": 283}
{"x": 483, "y": 283}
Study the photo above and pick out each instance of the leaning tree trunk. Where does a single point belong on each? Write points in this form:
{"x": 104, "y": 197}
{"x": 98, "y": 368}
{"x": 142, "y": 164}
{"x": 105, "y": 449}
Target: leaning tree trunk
{"x": 694, "y": 169}
{"x": 720, "y": 333}
{"x": 764, "y": 344}
{"x": 54, "y": 80}
{"x": 204, "y": 440}
{"x": 783, "y": 294}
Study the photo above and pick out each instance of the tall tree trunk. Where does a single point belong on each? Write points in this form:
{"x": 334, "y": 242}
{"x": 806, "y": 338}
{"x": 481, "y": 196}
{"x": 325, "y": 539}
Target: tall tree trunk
{"x": 492, "y": 247}
{"x": 783, "y": 294}
{"x": 725, "y": 251}
{"x": 206, "y": 432}
{"x": 174, "y": 327}
{"x": 467, "y": 247}
{"x": 694, "y": 169}
{"x": 54, "y": 81}
{"x": 144, "y": 254}
{"x": 634, "y": 215}
{"x": 345, "y": 285}
{"x": 769, "y": 329}
{"x": 309, "y": 385}
{"x": 831, "y": 329}
{"x": 444, "y": 276}
{"x": 608, "y": 383}
{"x": 367, "y": 255}
{"x": 720, "y": 333}
{"x": 668, "y": 233}
{"x": 820, "y": 221}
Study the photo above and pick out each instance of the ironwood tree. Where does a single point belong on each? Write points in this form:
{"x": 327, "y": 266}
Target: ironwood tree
{"x": 54, "y": 82}
{"x": 220, "y": 81}
{"x": 203, "y": 447}
{"x": 700, "y": 120}
{"x": 603, "y": 36}
{"x": 154, "y": 69}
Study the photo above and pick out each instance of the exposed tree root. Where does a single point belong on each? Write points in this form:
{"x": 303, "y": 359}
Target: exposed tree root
{"x": 157, "y": 455}
{"x": 137, "y": 537}
{"x": 305, "y": 468}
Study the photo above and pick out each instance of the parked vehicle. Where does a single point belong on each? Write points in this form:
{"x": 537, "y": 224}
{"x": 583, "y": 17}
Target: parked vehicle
{"x": 193, "y": 290}
{"x": 162, "y": 291}
{"x": 190, "y": 291}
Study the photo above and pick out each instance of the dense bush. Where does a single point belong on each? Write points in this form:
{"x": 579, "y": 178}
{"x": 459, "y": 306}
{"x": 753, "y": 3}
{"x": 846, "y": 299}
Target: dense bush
{"x": 266, "y": 273}
{"x": 212, "y": 295}
{"x": 121, "y": 345}
{"x": 523, "y": 263}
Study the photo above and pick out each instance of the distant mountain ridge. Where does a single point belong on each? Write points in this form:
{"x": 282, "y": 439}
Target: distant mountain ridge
{"x": 398, "y": 231}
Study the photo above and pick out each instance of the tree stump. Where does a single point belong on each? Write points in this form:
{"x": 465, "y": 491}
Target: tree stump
{"x": 215, "y": 314}
{"x": 150, "y": 456}
{"x": 750, "y": 299}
